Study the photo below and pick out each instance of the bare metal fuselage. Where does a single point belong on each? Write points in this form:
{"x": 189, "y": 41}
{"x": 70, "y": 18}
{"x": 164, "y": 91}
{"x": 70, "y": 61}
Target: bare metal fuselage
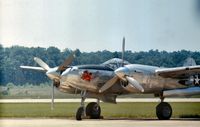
{"x": 71, "y": 80}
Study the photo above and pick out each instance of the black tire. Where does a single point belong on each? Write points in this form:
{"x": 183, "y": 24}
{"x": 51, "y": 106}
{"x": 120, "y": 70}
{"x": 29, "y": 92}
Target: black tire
{"x": 163, "y": 111}
{"x": 79, "y": 113}
{"x": 93, "y": 110}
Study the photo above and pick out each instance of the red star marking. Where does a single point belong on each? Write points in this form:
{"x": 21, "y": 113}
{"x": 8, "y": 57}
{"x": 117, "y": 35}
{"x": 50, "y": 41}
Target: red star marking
{"x": 87, "y": 76}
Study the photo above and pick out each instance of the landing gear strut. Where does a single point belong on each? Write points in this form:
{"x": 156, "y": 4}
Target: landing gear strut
{"x": 92, "y": 110}
{"x": 81, "y": 110}
{"x": 163, "y": 110}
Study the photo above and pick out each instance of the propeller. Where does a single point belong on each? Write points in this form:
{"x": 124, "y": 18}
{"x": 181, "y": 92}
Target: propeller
{"x": 52, "y": 97}
{"x": 121, "y": 74}
{"x": 50, "y": 73}
{"x": 108, "y": 84}
{"x": 112, "y": 81}
{"x": 135, "y": 83}
{"x": 67, "y": 62}
{"x": 53, "y": 73}
{"x": 123, "y": 50}
{"x": 41, "y": 63}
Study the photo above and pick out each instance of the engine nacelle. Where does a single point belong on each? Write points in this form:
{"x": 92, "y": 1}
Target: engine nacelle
{"x": 182, "y": 92}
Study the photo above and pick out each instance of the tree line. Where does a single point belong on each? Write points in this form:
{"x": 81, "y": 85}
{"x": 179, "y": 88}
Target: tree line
{"x": 11, "y": 58}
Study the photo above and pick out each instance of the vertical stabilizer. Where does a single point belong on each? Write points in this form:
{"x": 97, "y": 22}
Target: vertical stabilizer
{"x": 189, "y": 62}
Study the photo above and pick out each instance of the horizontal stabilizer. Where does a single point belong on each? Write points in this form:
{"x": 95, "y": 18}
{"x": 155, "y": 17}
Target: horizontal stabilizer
{"x": 33, "y": 68}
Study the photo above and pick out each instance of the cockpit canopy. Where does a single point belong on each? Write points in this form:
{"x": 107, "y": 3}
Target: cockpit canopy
{"x": 115, "y": 63}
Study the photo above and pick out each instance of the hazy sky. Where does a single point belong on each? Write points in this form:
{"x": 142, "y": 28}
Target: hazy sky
{"x": 92, "y": 25}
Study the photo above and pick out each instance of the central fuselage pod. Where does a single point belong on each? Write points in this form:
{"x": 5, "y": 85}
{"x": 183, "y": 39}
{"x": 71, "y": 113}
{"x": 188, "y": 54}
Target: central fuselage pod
{"x": 87, "y": 77}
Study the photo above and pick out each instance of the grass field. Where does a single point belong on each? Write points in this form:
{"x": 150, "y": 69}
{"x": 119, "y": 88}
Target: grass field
{"x": 125, "y": 110}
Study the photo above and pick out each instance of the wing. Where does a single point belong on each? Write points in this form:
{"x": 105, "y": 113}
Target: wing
{"x": 178, "y": 72}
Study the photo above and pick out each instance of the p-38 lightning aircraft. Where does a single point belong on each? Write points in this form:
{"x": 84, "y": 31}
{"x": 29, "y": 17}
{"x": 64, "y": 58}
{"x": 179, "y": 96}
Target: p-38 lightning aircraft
{"x": 117, "y": 77}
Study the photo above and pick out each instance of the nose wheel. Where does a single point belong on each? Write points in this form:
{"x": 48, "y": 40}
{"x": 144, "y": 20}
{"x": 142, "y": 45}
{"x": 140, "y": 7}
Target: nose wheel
{"x": 79, "y": 113}
{"x": 92, "y": 110}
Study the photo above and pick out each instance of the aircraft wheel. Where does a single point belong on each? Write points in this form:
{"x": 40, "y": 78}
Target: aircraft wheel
{"x": 163, "y": 111}
{"x": 79, "y": 113}
{"x": 93, "y": 110}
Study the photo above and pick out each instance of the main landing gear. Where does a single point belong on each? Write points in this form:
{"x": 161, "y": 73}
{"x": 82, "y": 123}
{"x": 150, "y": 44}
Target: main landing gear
{"x": 92, "y": 110}
{"x": 163, "y": 110}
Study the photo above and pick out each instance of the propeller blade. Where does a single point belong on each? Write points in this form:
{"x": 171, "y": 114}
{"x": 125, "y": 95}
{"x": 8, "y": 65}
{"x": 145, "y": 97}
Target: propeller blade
{"x": 67, "y": 61}
{"x": 41, "y": 63}
{"x": 33, "y": 68}
{"x": 52, "y": 97}
{"x": 108, "y": 84}
{"x": 123, "y": 50}
{"x": 135, "y": 83}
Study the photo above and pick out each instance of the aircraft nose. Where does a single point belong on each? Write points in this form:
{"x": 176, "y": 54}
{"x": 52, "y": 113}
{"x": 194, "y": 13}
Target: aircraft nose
{"x": 122, "y": 71}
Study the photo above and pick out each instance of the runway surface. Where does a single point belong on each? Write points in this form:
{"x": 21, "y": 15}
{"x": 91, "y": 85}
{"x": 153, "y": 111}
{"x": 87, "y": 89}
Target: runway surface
{"x": 90, "y": 100}
{"x": 96, "y": 123}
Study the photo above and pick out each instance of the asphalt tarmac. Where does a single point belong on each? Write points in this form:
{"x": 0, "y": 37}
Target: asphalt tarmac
{"x": 23, "y": 122}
